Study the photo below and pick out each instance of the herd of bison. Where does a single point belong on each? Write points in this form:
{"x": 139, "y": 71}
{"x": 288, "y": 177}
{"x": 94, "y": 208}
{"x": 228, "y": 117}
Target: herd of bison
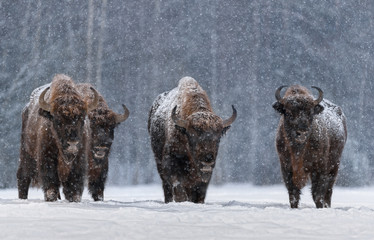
{"x": 68, "y": 130}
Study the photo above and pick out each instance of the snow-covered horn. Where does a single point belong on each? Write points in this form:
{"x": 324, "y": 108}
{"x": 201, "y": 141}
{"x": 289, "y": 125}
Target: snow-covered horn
{"x": 320, "y": 97}
{"x": 277, "y": 93}
{"x": 122, "y": 117}
{"x": 229, "y": 121}
{"x": 42, "y": 103}
{"x": 94, "y": 103}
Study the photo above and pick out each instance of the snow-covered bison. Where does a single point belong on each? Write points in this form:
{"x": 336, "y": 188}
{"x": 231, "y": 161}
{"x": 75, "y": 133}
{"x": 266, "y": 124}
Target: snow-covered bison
{"x": 185, "y": 135}
{"x": 100, "y": 135}
{"x": 53, "y": 143}
{"x": 310, "y": 139}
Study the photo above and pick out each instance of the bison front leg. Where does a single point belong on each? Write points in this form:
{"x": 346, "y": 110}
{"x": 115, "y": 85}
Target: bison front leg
{"x": 293, "y": 191}
{"x": 320, "y": 188}
{"x": 198, "y": 193}
{"x": 73, "y": 187}
{"x": 96, "y": 188}
{"x": 49, "y": 178}
{"x": 97, "y": 176}
{"x": 168, "y": 191}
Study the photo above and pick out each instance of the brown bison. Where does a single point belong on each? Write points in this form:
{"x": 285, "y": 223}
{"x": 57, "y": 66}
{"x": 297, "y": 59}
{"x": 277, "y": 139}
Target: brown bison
{"x": 310, "y": 140}
{"x": 185, "y": 135}
{"x": 100, "y": 135}
{"x": 53, "y": 143}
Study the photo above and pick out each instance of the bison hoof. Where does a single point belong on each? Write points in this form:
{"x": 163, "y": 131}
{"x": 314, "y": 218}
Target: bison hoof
{"x": 51, "y": 195}
{"x": 98, "y": 198}
{"x": 75, "y": 198}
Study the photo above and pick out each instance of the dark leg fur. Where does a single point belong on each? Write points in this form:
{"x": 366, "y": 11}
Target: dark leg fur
{"x": 50, "y": 180}
{"x": 27, "y": 165}
{"x": 198, "y": 193}
{"x": 26, "y": 172}
{"x": 320, "y": 185}
{"x": 73, "y": 187}
{"x": 293, "y": 191}
{"x": 96, "y": 188}
{"x": 168, "y": 191}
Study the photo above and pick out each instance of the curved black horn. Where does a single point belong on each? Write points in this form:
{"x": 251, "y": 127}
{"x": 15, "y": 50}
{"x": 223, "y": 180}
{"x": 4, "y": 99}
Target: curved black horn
{"x": 176, "y": 120}
{"x": 122, "y": 117}
{"x": 42, "y": 103}
{"x": 320, "y": 97}
{"x": 277, "y": 93}
{"x": 229, "y": 121}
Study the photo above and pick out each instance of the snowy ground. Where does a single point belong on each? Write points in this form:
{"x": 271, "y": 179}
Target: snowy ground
{"x": 231, "y": 212}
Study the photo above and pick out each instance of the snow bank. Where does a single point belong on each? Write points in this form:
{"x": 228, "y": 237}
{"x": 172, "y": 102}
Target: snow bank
{"x": 231, "y": 212}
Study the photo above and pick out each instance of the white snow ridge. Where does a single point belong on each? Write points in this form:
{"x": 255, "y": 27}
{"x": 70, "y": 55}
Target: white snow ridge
{"x": 239, "y": 211}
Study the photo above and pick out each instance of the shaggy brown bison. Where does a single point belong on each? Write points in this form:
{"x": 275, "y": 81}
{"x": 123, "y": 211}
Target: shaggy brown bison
{"x": 185, "y": 134}
{"x": 53, "y": 142}
{"x": 100, "y": 135}
{"x": 310, "y": 140}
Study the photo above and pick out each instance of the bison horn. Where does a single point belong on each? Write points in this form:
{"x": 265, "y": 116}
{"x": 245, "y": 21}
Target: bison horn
{"x": 42, "y": 103}
{"x": 229, "y": 121}
{"x": 176, "y": 120}
{"x": 320, "y": 97}
{"x": 277, "y": 93}
{"x": 94, "y": 103}
{"x": 122, "y": 117}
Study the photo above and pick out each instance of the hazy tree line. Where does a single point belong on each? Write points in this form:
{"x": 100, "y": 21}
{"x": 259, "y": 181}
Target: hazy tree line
{"x": 239, "y": 51}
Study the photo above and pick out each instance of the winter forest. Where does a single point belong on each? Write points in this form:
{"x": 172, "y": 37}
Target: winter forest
{"x": 238, "y": 51}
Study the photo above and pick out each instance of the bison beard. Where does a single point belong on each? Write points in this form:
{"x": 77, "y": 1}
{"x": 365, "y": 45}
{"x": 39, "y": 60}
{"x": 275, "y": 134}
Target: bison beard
{"x": 185, "y": 135}
{"x": 310, "y": 139}
{"x": 52, "y": 141}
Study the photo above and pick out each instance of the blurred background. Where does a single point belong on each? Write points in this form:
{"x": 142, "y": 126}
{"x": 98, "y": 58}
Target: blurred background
{"x": 239, "y": 51}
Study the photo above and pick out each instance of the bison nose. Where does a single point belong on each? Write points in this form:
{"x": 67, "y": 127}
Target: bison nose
{"x": 73, "y": 146}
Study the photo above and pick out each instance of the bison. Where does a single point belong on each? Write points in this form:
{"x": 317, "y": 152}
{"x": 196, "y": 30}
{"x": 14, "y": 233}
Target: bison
{"x": 100, "y": 134}
{"x": 185, "y": 135}
{"x": 53, "y": 143}
{"x": 310, "y": 139}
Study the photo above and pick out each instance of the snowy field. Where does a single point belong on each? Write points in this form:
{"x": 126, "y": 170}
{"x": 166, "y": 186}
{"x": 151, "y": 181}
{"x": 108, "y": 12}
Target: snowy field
{"x": 231, "y": 212}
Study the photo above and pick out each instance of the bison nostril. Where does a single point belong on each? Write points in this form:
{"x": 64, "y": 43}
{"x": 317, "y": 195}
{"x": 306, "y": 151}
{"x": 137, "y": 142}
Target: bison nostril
{"x": 209, "y": 158}
{"x": 73, "y": 143}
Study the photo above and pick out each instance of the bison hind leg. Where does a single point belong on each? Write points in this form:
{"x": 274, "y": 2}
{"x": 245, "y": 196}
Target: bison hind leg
{"x": 25, "y": 173}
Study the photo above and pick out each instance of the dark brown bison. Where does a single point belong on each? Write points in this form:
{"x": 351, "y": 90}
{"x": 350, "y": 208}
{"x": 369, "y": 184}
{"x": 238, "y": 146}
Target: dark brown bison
{"x": 185, "y": 135}
{"x": 100, "y": 135}
{"x": 53, "y": 142}
{"x": 310, "y": 140}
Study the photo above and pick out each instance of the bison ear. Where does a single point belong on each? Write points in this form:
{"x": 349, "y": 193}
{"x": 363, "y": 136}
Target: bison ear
{"x": 318, "y": 109}
{"x": 279, "y": 107}
{"x": 45, "y": 114}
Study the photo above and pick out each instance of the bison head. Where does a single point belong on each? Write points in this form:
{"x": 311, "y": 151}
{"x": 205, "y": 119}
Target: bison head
{"x": 102, "y": 124}
{"x": 298, "y": 108}
{"x": 67, "y": 114}
{"x": 203, "y": 131}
